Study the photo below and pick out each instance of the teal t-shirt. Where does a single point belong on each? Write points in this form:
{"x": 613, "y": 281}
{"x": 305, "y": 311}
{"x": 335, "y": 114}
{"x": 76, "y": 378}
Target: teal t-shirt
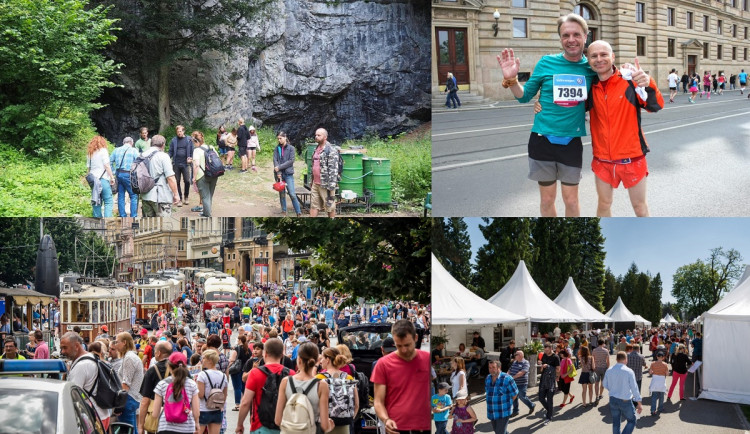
{"x": 562, "y": 80}
{"x": 441, "y": 402}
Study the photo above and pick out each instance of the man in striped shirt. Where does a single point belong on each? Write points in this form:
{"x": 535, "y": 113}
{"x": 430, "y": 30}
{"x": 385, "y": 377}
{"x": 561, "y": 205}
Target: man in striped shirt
{"x": 121, "y": 161}
{"x": 519, "y": 371}
{"x": 501, "y": 391}
{"x": 637, "y": 363}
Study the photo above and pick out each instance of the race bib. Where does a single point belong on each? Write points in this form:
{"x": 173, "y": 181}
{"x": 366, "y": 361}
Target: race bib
{"x": 569, "y": 89}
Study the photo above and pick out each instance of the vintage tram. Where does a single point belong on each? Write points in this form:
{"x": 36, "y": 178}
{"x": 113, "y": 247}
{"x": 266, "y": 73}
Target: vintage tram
{"x": 90, "y": 303}
{"x": 153, "y": 294}
{"x": 220, "y": 291}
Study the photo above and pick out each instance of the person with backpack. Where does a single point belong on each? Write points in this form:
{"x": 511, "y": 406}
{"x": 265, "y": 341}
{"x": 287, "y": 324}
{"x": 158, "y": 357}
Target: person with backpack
{"x": 326, "y": 173}
{"x": 243, "y": 135}
{"x": 212, "y": 391}
{"x": 226, "y": 337}
{"x": 180, "y": 151}
{"x": 237, "y": 360}
{"x": 83, "y": 371}
{"x": 121, "y": 161}
{"x": 343, "y": 401}
{"x": 204, "y": 177}
{"x": 303, "y": 398}
{"x": 283, "y": 170}
{"x": 178, "y": 396}
{"x": 158, "y": 200}
{"x": 100, "y": 177}
{"x": 131, "y": 374}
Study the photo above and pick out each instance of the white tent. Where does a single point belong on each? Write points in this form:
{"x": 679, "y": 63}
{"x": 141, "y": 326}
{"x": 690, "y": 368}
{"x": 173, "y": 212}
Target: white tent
{"x": 724, "y": 325}
{"x": 572, "y": 300}
{"x": 522, "y": 296}
{"x": 642, "y": 320}
{"x": 452, "y": 303}
{"x": 668, "y": 319}
{"x": 620, "y": 313}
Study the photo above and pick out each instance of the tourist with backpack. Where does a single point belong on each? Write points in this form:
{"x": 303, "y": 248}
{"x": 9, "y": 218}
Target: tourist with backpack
{"x": 326, "y": 173}
{"x": 283, "y": 170}
{"x": 343, "y": 401}
{"x": 153, "y": 174}
{"x": 212, "y": 391}
{"x": 100, "y": 177}
{"x": 262, "y": 390}
{"x": 207, "y": 168}
{"x": 303, "y": 398}
{"x": 178, "y": 396}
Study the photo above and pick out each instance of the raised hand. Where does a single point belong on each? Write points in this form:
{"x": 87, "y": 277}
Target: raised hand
{"x": 639, "y": 76}
{"x": 509, "y": 63}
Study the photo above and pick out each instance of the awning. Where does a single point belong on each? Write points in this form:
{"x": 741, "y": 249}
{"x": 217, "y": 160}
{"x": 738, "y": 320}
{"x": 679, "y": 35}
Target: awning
{"x": 23, "y": 296}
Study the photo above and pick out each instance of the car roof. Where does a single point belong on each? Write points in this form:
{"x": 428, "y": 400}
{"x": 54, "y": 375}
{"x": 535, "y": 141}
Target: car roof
{"x": 44, "y": 384}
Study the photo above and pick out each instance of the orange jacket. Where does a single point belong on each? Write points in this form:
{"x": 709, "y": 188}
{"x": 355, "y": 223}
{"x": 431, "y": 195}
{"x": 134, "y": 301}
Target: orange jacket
{"x": 615, "y": 111}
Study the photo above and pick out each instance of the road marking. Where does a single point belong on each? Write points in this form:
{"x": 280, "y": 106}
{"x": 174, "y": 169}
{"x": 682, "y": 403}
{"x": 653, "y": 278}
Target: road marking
{"x": 526, "y": 154}
{"x": 482, "y": 130}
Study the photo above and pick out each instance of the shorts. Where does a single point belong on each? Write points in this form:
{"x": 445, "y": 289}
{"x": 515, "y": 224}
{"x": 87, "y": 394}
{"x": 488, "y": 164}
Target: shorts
{"x": 721, "y": 85}
{"x": 156, "y": 209}
{"x": 209, "y": 417}
{"x": 242, "y": 150}
{"x": 706, "y": 88}
{"x": 318, "y": 197}
{"x": 673, "y": 88}
{"x": 600, "y": 372}
{"x": 613, "y": 173}
{"x": 549, "y": 162}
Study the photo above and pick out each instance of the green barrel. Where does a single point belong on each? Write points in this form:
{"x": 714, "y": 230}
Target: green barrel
{"x": 381, "y": 180}
{"x": 351, "y": 176}
{"x": 367, "y": 172}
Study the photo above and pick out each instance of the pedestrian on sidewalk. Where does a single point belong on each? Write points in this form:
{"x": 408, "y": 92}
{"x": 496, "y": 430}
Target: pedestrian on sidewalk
{"x": 623, "y": 391}
{"x": 451, "y": 86}
{"x": 500, "y": 392}
{"x": 550, "y": 377}
{"x": 519, "y": 371}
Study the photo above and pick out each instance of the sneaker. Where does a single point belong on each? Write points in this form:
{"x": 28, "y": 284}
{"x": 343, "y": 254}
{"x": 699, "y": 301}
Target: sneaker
{"x": 515, "y": 413}
{"x": 546, "y": 422}
{"x": 196, "y": 209}
{"x": 186, "y": 202}
{"x": 692, "y": 102}
{"x": 243, "y": 171}
{"x": 299, "y": 214}
{"x": 179, "y": 204}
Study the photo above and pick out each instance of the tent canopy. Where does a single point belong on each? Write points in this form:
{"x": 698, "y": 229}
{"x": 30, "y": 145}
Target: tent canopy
{"x": 642, "y": 320}
{"x": 522, "y": 296}
{"x": 453, "y": 303}
{"x": 572, "y": 300}
{"x": 668, "y": 319}
{"x": 620, "y": 313}
{"x": 24, "y": 295}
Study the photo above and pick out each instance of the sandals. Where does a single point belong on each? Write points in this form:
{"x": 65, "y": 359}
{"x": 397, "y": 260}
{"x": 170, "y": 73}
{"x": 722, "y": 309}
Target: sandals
{"x": 236, "y": 408}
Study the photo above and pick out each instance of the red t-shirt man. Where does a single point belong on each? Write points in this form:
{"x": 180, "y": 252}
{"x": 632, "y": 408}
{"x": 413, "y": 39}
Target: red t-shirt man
{"x": 407, "y": 397}
{"x": 255, "y": 381}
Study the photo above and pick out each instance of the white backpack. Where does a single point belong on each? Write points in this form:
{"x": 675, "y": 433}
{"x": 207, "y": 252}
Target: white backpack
{"x": 298, "y": 416}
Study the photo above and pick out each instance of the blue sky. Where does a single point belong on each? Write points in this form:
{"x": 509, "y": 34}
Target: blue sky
{"x": 658, "y": 245}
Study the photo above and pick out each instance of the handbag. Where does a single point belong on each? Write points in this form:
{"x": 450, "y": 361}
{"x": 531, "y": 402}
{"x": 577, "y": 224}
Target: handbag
{"x": 151, "y": 424}
{"x": 593, "y": 378}
{"x": 235, "y": 367}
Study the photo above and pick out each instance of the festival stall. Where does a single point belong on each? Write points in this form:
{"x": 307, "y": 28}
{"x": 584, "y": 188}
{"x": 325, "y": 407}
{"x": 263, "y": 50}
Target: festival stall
{"x": 571, "y": 300}
{"x": 621, "y": 316}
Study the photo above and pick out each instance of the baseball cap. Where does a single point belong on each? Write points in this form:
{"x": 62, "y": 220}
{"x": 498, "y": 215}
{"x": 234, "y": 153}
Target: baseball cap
{"x": 143, "y": 332}
{"x": 461, "y": 394}
{"x": 388, "y": 344}
{"x": 105, "y": 329}
{"x": 177, "y": 358}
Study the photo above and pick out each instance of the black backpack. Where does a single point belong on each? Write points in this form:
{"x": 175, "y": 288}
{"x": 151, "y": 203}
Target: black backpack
{"x": 214, "y": 166}
{"x": 363, "y": 387}
{"x": 107, "y": 391}
{"x": 141, "y": 180}
{"x": 270, "y": 396}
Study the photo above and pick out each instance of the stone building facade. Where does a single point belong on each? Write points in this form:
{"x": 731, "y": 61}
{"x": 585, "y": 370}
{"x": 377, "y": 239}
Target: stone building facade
{"x": 663, "y": 34}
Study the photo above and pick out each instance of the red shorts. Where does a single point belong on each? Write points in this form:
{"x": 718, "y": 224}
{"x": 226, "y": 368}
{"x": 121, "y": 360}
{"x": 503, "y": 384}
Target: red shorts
{"x": 629, "y": 174}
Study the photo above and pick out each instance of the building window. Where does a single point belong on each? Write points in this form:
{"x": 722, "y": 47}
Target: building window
{"x": 734, "y": 53}
{"x": 689, "y": 18}
{"x": 745, "y": 56}
{"x": 744, "y": 5}
{"x": 734, "y": 30}
{"x": 670, "y": 16}
{"x": 670, "y": 47}
{"x": 180, "y": 245}
{"x": 183, "y": 223}
{"x": 641, "y": 46}
{"x": 640, "y": 9}
{"x": 584, "y": 11}
{"x": 719, "y": 48}
{"x": 745, "y": 32}
{"x": 519, "y": 27}
{"x": 519, "y": 3}
{"x": 719, "y": 25}
{"x": 705, "y": 23}
{"x": 705, "y": 50}
{"x": 734, "y": 3}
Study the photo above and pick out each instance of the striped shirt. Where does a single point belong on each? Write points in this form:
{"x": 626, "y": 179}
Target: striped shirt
{"x": 517, "y": 367}
{"x": 601, "y": 355}
{"x": 125, "y": 153}
{"x": 499, "y": 395}
{"x": 636, "y": 362}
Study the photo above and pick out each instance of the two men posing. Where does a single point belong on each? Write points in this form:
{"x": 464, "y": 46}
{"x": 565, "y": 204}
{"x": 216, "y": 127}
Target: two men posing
{"x": 568, "y": 85}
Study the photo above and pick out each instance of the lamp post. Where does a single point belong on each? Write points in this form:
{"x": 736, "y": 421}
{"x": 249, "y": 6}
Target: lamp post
{"x": 496, "y": 26}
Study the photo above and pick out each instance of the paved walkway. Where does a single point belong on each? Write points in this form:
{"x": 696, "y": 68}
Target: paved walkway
{"x": 683, "y": 417}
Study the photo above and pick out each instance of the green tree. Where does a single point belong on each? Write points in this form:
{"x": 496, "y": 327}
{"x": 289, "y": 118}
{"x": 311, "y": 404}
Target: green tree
{"x": 452, "y": 246}
{"x": 611, "y": 290}
{"x": 54, "y": 69}
{"x": 553, "y": 259}
{"x": 170, "y": 32}
{"x": 691, "y": 286}
{"x": 383, "y": 258}
{"x": 726, "y": 267}
{"x": 587, "y": 249}
{"x": 628, "y": 285}
{"x": 653, "y": 310}
{"x": 508, "y": 241}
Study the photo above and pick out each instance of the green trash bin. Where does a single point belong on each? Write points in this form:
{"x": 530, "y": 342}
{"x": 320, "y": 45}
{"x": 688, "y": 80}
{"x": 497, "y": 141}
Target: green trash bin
{"x": 351, "y": 175}
{"x": 380, "y": 180}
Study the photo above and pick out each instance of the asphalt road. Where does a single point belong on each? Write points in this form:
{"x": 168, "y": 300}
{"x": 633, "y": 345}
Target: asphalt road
{"x": 698, "y": 161}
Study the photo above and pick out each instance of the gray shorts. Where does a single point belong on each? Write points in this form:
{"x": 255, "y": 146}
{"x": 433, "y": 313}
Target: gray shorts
{"x": 551, "y": 171}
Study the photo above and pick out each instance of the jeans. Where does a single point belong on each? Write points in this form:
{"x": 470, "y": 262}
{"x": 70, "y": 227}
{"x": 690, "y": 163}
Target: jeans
{"x": 206, "y": 188}
{"x": 238, "y": 387}
{"x": 107, "y": 201}
{"x": 657, "y": 398}
{"x": 471, "y": 368}
{"x": 523, "y": 398}
{"x": 545, "y": 398}
{"x": 440, "y": 426}
{"x": 123, "y": 185}
{"x": 500, "y": 426}
{"x": 184, "y": 173}
{"x": 452, "y": 96}
{"x": 128, "y": 414}
{"x": 622, "y": 408}
{"x": 289, "y": 179}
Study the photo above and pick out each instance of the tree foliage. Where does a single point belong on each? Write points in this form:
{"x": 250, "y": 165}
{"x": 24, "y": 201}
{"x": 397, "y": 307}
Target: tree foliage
{"x": 452, "y": 247}
{"x": 54, "y": 69}
{"x": 508, "y": 241}
{"x": 383, "y": 258}
{"x": 19, "y": 240}
{"x": 700, "y": 285}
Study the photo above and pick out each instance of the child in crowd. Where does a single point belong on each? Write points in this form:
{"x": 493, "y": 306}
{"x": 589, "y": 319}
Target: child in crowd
{"x": 441, "y": 404}
{"x": 658, "y": 386}
{"x": 195, "y": 367}
{"x": 463, "y": 415}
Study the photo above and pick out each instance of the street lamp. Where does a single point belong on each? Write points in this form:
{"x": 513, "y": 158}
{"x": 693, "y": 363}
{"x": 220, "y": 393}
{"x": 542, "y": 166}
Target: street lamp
{"x": 496, "y": 26}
